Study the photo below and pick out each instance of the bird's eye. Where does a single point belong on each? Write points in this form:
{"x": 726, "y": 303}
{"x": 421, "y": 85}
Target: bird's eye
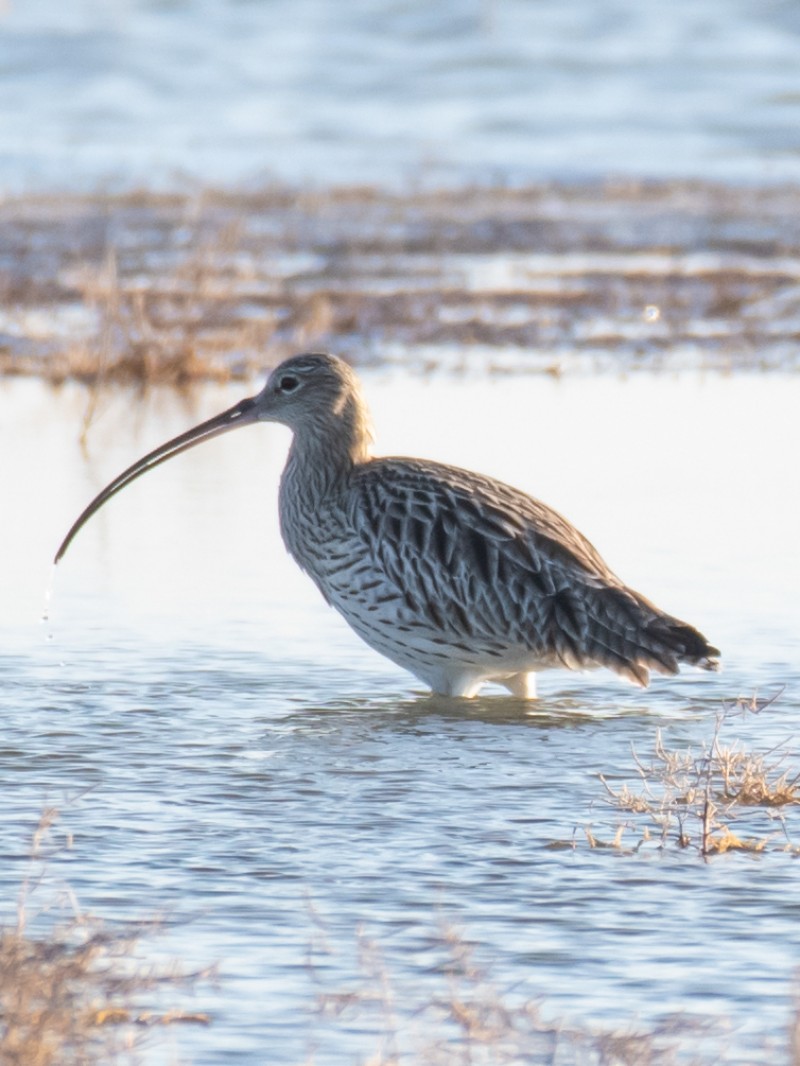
{"x": 288, "y": 383}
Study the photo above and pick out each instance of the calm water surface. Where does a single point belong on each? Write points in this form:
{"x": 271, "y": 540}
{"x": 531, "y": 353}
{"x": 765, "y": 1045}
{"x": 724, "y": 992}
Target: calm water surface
{"x": 142, "y": 90}
{"x": 277, "y": 791}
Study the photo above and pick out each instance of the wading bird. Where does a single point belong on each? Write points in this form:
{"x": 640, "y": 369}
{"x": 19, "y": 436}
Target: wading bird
{"x": 456, "y": 577}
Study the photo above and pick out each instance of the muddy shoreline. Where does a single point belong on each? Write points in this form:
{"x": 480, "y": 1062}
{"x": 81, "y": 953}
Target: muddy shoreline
{"x": 216, "y": 284}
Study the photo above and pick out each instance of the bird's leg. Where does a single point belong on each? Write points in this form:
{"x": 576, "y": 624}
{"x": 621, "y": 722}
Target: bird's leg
{"x": 522, "y": 685}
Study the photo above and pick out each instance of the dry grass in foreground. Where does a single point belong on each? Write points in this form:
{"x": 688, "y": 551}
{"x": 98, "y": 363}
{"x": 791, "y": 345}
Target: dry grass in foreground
{"x": 695, "y": 798}
{"x": 470, "y": 1021}
{"x": 73, "y": 995}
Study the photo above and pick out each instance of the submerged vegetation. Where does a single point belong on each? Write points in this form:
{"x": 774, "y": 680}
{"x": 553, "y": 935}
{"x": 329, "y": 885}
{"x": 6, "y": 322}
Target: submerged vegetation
{"x": 76, "y": 992}
{"x": 697, "y": 799}
{"x": 214, "y": 284}
{"x": 469, "y": 1020}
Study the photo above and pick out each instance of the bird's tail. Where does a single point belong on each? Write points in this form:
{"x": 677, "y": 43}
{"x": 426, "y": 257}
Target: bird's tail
{"x": 690, "y": 646}
{"x": 673, "y": 642}
{"x": 644, "y": 638}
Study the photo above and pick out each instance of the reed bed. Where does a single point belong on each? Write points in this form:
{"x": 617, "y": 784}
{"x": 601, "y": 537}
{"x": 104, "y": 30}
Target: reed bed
{"x": 215, "y": 284}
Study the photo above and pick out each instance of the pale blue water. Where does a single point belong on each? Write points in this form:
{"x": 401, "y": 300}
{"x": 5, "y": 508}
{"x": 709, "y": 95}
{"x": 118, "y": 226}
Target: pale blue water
{"x": 146, "y": 91}
{"x": 227, "y": 755}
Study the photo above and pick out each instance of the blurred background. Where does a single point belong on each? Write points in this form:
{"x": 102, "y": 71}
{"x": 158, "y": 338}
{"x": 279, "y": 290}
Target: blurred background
{"x": 147, "y": 91}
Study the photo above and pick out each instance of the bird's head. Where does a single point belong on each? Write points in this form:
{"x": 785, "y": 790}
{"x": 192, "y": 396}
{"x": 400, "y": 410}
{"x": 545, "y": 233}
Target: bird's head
{"x": 313, "y": 392}
{"x": 316, "y": 395}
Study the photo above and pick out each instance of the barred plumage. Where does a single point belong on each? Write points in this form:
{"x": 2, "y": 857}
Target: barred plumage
{"x": 454, "y": 576}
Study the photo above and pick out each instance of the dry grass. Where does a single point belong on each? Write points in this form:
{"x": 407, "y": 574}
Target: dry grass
{"x": 693, "y": 798}
{"x": 151, "y": 289}
{"x": 68, "y": 996}
{"x": 75, "y": 992}
{"x": 459, "y": 1016}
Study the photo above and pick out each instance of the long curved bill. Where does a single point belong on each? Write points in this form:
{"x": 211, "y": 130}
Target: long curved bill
{"x": 242, "y": 414}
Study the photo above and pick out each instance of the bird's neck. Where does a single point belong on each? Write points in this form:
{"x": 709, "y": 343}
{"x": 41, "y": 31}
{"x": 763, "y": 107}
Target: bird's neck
{"x": 323, "y": 456}
{"x": 313, "y": 491}
{"x": 314, "y": 471}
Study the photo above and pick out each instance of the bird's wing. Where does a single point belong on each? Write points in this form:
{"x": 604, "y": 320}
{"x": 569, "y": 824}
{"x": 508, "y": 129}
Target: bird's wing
{"x": 485, "y": 562}
{"x": 398, "y": 497}
{"x": 455, "y": 518}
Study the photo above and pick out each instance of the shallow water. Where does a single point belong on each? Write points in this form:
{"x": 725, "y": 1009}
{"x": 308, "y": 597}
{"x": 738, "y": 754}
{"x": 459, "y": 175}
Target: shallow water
{"x": 141, "y": 90}
{"x": 228, "y": 755}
